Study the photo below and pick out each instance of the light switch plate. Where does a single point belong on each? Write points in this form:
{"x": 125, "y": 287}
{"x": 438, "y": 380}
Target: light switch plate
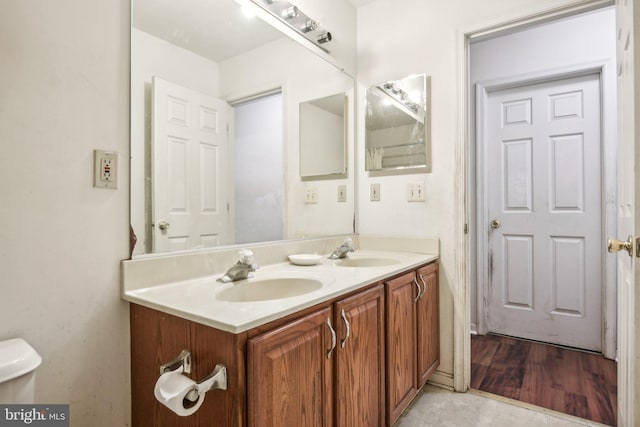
{"x": 374, "y": 192}
{"x": 310, "y": 195}
{"x": 342, "y": 193}
{"x": 415, "y": 192}
{"x": 105, "y": 167}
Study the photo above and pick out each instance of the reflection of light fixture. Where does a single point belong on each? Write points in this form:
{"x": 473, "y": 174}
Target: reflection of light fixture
{"x": 295, "y": 19}
{"x": 410, "y": 101}
{"x": 290, "y": 12}
{"x": 310, "y": 25}
{"x": 324, "y": 38}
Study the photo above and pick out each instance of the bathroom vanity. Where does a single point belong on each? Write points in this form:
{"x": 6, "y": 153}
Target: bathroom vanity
{"x": 353, "y": 352}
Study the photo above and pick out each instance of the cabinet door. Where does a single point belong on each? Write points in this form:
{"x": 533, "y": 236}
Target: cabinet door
{"x": 428, "y": 323}
{"x": 401, "y": 373}
{"x": 290, "y": 374}
{"x": 360, "y": 377}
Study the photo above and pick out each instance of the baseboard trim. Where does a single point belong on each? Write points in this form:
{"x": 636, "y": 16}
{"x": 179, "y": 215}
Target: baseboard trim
{"x": 441, "y": 379}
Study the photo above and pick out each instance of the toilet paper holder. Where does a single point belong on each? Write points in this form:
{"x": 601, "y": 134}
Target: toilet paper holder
{"x": 216, "y": 380}
{"x": 182, "y": 361}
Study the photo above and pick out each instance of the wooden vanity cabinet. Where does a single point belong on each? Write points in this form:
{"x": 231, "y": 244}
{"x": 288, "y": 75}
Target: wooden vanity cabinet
{"x": 281, "y": 374}
{"x": 290, "y": 377}
{"x": 325, "y": 369}
{"x": 428, "y": 323}
{"x": 413, "y": 341}
{"x": 360, "y": 354}
{"x": 157, "y": 338}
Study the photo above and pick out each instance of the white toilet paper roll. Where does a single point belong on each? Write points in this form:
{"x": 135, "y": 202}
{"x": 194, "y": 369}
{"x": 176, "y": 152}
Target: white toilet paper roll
{"x": 171, "y": 390}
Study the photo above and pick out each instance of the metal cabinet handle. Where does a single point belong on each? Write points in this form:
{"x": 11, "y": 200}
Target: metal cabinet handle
{"x": 348, "y": 325}
{"x": 333, "y": 338}
{"x": 419, "y": 290}
{"x": 424, "y": 284}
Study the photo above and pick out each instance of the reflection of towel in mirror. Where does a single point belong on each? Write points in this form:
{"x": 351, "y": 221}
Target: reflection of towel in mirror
{"x": 374, "y": 158}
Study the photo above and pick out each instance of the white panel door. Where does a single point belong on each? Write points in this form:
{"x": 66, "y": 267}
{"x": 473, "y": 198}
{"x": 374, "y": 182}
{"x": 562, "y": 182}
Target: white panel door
{"x": 190, "y": 169}
{"x": 543, "y": 196}
{"x": 628, "y": 47}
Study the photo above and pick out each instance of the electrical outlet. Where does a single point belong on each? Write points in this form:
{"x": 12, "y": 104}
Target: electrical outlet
{"x": 374, "y": 192}
{"x": 310, "y": 195}
{"x": 342, "y": 193}
{"x": 415, "y": 192}
{"x": 105, "y": 165}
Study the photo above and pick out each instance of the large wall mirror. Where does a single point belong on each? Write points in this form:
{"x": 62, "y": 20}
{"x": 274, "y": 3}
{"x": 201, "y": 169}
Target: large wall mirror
{"x": 397, "y": 128}
{"x": 215, "y": 129}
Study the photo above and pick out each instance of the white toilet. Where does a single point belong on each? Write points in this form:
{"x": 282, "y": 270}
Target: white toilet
{"x": 18, "y": 362}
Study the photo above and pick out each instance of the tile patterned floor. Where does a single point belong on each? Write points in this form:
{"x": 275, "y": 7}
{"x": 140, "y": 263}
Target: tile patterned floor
{"x": 442, "y": 408}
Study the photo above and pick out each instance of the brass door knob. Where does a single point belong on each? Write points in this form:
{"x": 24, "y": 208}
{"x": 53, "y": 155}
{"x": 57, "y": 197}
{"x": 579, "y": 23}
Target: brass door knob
{"x": 495, "y": 223}
{"x": 164, "y": 225}
{"x": 614, "y": 245}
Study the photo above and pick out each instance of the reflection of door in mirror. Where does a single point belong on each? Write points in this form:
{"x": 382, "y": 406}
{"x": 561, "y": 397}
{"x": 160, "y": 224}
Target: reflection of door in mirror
{"x": 258, "y": 208}
{"x": 190, "y": 169}
{"x": 397, "y": 125}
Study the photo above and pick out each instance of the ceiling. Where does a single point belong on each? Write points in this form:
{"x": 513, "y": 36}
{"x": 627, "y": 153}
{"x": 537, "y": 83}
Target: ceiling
{"x": 216, "y": 30}
{"x": 358, "y": 3}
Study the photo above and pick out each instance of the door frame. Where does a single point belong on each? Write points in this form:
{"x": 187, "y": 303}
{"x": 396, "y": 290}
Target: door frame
{"x": 478, "y": 188}
{"x": 462, "y": 254}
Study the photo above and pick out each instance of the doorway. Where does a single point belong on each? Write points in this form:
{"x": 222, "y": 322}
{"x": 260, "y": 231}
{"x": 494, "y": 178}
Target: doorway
{"x": 258, "y": 141}
{"x": 538, "y": 273}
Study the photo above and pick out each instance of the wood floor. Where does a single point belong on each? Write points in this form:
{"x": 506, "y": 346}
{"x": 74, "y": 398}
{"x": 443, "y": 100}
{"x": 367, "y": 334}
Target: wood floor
{"x": 569, "y": 381}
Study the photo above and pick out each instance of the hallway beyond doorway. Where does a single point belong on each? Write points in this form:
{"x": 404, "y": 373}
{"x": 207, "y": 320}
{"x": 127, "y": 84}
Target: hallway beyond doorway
{"x": 570, "y": 381}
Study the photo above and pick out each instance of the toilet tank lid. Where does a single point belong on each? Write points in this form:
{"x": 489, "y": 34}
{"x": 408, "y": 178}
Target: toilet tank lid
{"x": 17, "y": 358}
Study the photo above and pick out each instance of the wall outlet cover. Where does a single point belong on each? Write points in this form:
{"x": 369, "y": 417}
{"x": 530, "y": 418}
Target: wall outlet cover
{"x": 105, "y": 167}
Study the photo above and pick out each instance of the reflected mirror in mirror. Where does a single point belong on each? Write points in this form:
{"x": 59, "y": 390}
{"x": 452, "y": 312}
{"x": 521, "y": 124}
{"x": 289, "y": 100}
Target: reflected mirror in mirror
{"x": 322, "y": 131}
{"x": 397, "y": 130}
{"x": 215, "y": 95}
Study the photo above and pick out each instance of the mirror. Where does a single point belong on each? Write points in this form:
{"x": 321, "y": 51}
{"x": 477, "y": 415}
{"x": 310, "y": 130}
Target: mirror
{"x": 322, "y": 136}
{"x": 397, "y": 128}
{"x": 216, "y": 97}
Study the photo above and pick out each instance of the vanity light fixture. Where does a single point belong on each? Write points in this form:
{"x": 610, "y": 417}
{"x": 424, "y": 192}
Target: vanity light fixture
{"x": 295, "y": 19}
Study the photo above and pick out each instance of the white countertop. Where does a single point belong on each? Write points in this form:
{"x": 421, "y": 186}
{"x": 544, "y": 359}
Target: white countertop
{"x": 201, "y": 299}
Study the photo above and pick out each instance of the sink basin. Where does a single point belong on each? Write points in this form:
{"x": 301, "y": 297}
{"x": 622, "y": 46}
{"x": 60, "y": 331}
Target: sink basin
{"x": 366, "y": 262}
{"x": 269, "y": 289}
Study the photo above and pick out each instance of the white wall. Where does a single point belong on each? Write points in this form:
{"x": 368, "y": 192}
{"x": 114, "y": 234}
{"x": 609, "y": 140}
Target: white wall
{"x": 65, "y": 92}
{"x": 397, "y": 38}
{"x": 150, "y": 57}
{"x": 568, "y": 42}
